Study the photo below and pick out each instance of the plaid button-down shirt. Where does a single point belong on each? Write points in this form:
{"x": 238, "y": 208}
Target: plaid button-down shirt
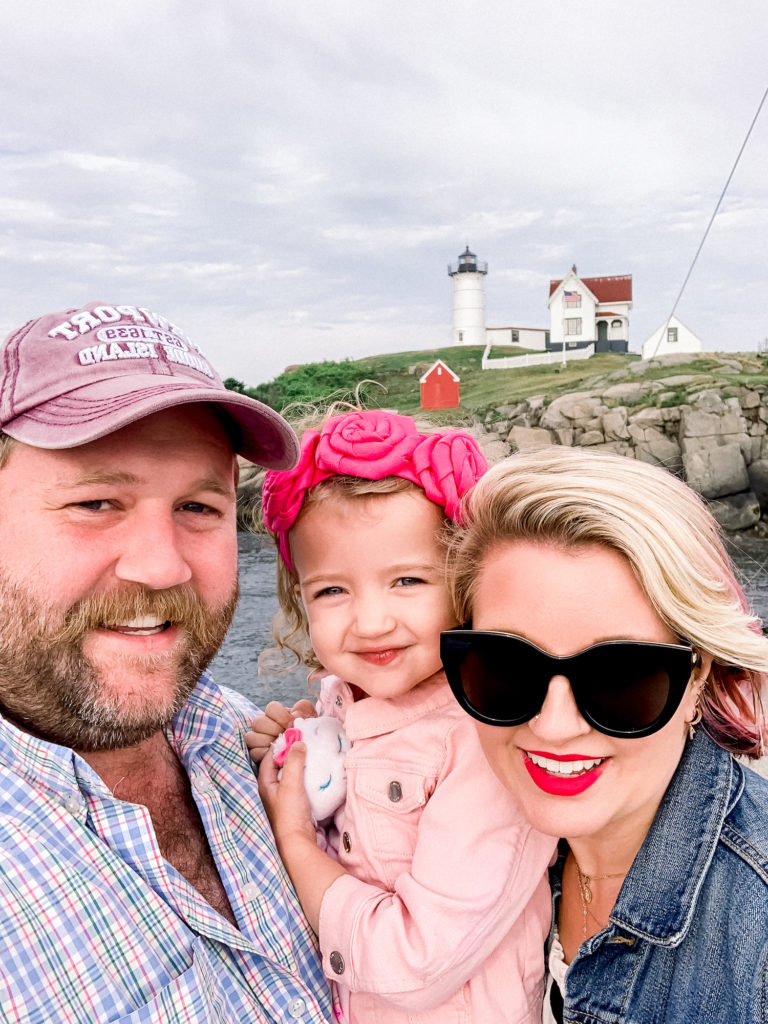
{"x": 96, "y": 926}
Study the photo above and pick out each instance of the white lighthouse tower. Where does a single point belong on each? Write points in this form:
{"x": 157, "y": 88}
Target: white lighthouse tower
{"x": 468, "y": 299}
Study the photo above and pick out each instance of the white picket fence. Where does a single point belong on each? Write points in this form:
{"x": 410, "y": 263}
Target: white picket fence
{"x": 510, "y": 362}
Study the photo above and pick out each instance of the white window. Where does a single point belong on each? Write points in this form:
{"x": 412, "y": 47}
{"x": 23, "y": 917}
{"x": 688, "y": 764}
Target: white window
{"x": 572, "y": 325}
{"x": 461, "y": 335}
{"x": 616, "y": 324}
{"x": 672, "y": 335}
{"x": 515, "y": 337}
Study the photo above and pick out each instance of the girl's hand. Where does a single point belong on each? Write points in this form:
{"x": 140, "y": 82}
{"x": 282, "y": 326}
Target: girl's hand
{"x": 286, "y": 801}
{"x": 276, "y": 719}
{"x": 287, "y": 805}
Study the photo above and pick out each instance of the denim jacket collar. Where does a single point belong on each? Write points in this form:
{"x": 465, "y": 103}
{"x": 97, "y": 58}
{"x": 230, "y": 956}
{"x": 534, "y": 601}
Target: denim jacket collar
{"x": 659, "y": 894}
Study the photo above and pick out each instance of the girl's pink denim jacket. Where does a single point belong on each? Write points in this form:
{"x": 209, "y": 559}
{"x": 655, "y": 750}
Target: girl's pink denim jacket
{"x": 444, "y": 914}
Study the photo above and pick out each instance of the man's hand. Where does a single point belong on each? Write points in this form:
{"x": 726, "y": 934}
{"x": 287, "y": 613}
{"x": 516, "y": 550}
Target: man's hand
{"x": 276, "y": 719}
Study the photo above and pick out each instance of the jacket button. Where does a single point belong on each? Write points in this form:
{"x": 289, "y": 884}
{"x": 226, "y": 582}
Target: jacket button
{"x": 346, "y": 842}
{"x": 336, "y": 961}
{"x": 395, "y": 792}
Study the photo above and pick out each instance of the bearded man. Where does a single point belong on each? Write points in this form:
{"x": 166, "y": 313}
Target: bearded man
{"x": 138, "y": 877}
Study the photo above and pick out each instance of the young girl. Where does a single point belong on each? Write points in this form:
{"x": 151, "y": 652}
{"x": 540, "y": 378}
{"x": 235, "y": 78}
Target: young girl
{"x": 437, "y": 908}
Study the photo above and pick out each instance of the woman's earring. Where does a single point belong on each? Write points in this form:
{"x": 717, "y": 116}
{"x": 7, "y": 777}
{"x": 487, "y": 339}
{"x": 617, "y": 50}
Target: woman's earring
{"x": 694, "y": 721}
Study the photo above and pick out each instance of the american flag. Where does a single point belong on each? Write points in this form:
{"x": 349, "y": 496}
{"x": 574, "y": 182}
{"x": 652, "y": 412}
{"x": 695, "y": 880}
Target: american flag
{"x": 571, "y": 297}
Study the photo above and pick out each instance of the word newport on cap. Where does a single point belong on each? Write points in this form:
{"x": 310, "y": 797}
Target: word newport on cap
{"x": 72, "y": 377}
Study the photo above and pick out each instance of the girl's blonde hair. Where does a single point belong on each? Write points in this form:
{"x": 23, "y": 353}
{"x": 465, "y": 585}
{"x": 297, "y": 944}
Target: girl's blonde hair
{"x": 571, "y": 497}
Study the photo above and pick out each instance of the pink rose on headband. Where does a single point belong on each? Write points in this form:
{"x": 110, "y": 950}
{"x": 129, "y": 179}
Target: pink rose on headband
{"x": 371, "y": 444}
{"x": 448, "y": 465}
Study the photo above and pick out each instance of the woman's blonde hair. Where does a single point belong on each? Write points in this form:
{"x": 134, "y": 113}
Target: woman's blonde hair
{"x": 571, "y": 497}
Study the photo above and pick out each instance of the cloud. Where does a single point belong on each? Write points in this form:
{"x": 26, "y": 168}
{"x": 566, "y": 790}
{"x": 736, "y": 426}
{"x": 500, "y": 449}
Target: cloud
{"x": 410, "y": 236}
{"x": 27, "y": 212}
{"x": 292, "y": 181}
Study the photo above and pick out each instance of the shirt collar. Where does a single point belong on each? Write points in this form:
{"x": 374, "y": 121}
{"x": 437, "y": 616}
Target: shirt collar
{"x": 199, "y": 722}
{"x": 57, "y": 769}
{"x": 374, "y": 716}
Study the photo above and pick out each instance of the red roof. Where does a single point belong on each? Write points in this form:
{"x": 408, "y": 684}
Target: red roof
{"x": 605, "y": 289}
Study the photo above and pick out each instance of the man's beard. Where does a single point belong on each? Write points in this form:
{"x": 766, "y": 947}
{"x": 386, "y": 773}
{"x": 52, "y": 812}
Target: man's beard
{"x": 49, "y": 687}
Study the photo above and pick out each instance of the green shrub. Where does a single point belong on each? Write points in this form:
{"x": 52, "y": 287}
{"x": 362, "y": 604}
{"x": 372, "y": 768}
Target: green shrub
{"x": 313, "y": 383}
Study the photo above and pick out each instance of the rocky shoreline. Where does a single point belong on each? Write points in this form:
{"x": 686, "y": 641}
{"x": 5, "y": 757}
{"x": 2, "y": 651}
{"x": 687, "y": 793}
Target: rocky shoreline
{"x": 705, "y": 428}
{"x": 709, "y": 428}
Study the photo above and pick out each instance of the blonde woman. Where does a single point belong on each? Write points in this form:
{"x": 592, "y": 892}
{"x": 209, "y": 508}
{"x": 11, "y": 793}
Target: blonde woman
{"x": 614, "y": 671}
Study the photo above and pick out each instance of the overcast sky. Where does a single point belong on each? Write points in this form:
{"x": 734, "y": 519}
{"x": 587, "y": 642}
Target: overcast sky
{"x": 287, "y": 181}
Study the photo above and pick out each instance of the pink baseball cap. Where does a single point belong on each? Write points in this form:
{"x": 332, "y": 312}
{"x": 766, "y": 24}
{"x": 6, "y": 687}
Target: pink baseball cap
{"x": 72, "y": 377}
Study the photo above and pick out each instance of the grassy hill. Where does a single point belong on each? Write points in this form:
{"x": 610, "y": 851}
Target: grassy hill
{"x": 397, "y": 379}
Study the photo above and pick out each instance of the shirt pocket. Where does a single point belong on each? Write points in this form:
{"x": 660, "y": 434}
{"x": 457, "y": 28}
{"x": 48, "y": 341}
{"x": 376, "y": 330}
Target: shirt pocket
{"x": 190, "y": 997}
{"x": 390, "y": 800}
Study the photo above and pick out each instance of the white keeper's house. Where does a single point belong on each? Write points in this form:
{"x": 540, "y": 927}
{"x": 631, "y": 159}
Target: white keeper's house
{"x": 585, "y": 312}
{"x": 590, "y": 311}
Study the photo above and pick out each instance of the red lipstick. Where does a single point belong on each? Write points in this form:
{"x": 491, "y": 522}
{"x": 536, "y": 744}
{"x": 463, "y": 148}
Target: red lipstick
{"x": 562, "y": 785}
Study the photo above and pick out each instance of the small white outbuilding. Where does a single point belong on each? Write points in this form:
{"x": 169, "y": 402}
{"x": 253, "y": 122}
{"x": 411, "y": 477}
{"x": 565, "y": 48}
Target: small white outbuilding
{"x": 671, "y": 337}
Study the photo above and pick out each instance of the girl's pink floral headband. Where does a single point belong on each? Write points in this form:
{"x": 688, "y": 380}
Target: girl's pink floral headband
{"x": 373, "y": 444}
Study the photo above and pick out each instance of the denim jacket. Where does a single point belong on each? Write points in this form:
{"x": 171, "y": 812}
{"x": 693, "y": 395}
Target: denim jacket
{"x": 687, "y": 940}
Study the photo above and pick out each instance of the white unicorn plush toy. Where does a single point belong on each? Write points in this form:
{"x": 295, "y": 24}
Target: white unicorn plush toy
{"x": 325, "y": 777}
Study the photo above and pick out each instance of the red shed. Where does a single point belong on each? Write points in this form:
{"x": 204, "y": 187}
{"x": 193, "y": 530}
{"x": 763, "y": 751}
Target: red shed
{"x": 439, "y": 387}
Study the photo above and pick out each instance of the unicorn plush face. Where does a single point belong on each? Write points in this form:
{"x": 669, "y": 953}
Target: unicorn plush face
{"x": 325, "y": 778}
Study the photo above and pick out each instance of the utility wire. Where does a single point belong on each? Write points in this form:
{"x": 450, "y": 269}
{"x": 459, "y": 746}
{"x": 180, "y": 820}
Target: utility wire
{"x": 711, "y": 220}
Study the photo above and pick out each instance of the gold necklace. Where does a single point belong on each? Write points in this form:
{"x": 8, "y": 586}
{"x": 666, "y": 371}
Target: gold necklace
{"x": 585, "y": 889}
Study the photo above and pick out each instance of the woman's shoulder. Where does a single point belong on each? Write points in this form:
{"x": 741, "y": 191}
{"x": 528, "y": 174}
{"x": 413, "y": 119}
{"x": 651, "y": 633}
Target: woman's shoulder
{"x": 745, "y": 829}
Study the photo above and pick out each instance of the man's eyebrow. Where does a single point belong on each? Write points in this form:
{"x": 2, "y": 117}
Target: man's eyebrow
{"x": 209, "y": 483}
{"x": 106, "y": 478}
{"x": 98, "y": 478}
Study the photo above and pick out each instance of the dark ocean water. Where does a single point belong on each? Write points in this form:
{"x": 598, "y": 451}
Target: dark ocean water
{"x": 236, "y": 664}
